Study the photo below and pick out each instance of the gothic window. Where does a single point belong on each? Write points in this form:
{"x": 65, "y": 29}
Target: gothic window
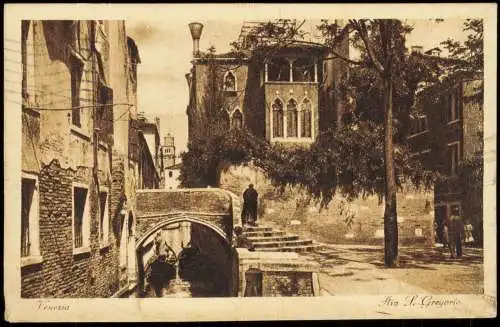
{"x": 306, "y": 115}
{"x": 229, "y": 82}
{"x": 225, "y": 120}
{"x": 279, "y": 70}
{"x": 237, "y": 120}
{"x": 291, "y": 112}
{"x": 303, "y": 70}
{"x": 277, "y": 118}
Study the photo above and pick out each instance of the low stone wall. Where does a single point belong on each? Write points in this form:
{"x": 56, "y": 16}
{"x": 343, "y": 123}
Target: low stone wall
{"x": 295, "y": 211}
{"x": 283, "y": 274}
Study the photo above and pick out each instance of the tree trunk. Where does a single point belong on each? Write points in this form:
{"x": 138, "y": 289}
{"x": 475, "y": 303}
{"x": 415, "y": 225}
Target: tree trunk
{"x": 390, "y": 213}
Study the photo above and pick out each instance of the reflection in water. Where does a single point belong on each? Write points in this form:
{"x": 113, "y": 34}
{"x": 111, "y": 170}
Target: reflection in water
{"x": 190, "y": 273}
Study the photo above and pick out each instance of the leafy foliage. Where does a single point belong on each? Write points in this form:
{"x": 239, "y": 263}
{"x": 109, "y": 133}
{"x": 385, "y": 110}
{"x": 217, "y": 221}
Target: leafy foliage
{"x": 471, "y": 52}
{"x": 348, "y": 161}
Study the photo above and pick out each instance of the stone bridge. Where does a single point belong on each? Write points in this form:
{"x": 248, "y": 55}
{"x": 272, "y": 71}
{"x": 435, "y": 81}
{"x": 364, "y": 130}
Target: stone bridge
{"x": 216, "y": 209}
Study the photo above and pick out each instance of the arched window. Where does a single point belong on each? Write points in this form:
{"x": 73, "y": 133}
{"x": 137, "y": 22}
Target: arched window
{"x": 277, "y": 118}
{"x": 306, "y": 115}
{"x": 279, "y": 70}
{"x": 237, "y": 119}
{"x": 229, "y": 82}
{"x": 291, "y": 117}
{"x": 225, "y": 121}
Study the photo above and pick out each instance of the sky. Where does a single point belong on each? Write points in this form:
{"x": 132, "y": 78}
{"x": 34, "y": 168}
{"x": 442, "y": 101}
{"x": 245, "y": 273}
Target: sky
{"x": 165, "y": 48}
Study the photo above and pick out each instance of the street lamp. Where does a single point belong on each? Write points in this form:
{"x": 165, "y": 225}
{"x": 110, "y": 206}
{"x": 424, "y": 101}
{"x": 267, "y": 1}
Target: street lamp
{"x": 196, "y": 29}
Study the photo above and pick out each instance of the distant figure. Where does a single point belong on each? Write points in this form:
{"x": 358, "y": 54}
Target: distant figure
{"x": 160, "y": 265}
{"x": 240, "y": 240}
{"x": 456, "y": 232}
{"x": 447, "y": 245}
{"x": 249, "y": 212}
{"x": 163, "y": 251}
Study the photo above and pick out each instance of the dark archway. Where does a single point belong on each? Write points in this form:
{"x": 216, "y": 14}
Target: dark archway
{"x": 205, "y": 259}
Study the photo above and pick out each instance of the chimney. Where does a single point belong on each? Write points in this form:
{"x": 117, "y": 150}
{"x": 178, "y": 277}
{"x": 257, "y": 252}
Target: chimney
{"x": 417, "y": 49}
{"x": 196, "y": 29}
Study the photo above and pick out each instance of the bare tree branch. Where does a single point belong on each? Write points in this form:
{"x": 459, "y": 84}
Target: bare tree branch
{"x": 337, "y": 55}
{"x": 363, "y": 33}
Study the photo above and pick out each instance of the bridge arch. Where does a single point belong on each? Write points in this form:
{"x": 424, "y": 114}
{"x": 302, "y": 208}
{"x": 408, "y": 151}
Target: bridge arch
{"x": 211, "y": 214}
{"x": 185, "y": 217}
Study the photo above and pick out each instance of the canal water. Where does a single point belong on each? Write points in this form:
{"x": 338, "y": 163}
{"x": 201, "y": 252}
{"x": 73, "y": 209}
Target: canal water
{"x": 194, "y": 275}
{"x": 195, "y": 262}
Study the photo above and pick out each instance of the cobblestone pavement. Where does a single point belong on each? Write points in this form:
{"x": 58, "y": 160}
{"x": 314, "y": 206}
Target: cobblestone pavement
{"x": 359, "y": 269}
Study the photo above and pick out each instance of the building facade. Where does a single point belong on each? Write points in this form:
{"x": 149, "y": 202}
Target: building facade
{"x": 79, "y": 84}
{"x": 447, "y": 130}
{"x": 168, "y": 151}
{"x": 284, "y": 93}
{"x": 171, "y": 169}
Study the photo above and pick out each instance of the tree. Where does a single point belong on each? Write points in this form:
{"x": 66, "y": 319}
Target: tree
{"x": 382, "y": 46}
{"x": 471, "y": 52}
{"x": 356, "y": 159}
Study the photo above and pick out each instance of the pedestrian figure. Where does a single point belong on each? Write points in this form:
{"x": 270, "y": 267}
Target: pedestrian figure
{"x": 447, "y": 244}
{"x": 249, "y": 212}
{"x": 163, "y": 251}
{"x": 468, "y": 237}
{"x": 161, "y": 265}
{"x": 456, "y": 231}
{"x": 240, "y": 240}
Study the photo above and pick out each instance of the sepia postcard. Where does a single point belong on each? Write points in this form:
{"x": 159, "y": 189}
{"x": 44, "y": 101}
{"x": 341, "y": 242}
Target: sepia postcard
{"x": 249, "y": 162}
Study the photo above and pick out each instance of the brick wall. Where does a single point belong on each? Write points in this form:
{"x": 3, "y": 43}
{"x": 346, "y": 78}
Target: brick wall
{"x": 61, "y": 273}
{"x": 287, "y": 283}
{"x": 472, "y": 118}
{"x": 163, "y": 201}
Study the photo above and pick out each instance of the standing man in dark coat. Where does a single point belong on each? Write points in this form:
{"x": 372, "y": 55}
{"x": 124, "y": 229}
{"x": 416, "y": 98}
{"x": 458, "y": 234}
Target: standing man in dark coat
{"x": 456, "y": 231}
{"x": 249, "y": 212}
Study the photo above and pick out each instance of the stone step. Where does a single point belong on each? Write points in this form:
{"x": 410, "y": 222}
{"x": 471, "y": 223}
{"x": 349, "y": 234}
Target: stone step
{"x": 258, "y": 229}
{"x": 273, "y": 238}
{"x": 302, "y": 248}
{"x": 273, "y": 233}
{"x": 281, "y": 244}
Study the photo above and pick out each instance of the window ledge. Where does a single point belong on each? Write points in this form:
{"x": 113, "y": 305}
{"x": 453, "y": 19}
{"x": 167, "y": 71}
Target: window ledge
{"x": 84, "y": 249}
{"x": 288, "y": 82}
{"x": 293, "y": 139}
{"x": 417, "y": 134}
{"x": 78, "y": 131}
{"x": 31, "y": 110}
{"x": 103, "y": 146}
{"x": 451, "y": 122}
{"x": 104, "y": 245}
{"x": 31, "y": 260}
